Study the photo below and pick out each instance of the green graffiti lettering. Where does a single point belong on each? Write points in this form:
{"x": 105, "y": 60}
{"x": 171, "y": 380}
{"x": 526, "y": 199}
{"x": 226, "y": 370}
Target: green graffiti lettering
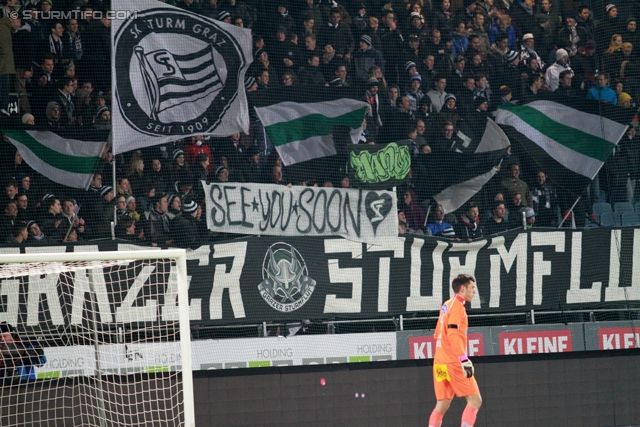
{"x": 392, "y": 161}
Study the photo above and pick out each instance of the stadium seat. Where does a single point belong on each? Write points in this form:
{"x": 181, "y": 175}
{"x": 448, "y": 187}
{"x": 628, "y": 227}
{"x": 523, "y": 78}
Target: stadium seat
{"x": 630, "y": 218}
{"x": 609, "y": 219}
{"x": 622, "y": 207}
{"x": 637, "y": 207}
{"x": 600, "y": 208}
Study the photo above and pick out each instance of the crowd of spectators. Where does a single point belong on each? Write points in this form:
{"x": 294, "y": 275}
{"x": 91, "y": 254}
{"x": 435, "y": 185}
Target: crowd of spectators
{"x": 425, "y": 67}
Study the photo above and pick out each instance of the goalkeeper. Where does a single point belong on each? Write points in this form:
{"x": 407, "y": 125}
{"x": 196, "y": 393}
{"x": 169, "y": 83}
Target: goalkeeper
{"x": 452, "y": 369}
{"x": 18, "y": 358}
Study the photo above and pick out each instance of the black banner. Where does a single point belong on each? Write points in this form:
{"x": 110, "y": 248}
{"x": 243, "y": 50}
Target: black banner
{"x": 268, "y": 279}
{"x": 380, "y": 166}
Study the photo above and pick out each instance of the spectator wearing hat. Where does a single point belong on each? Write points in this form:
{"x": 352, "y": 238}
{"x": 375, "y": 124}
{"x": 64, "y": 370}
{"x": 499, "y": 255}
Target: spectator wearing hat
{"x": 624, "y": 100}
{"x": 510, "y": 74}
{"x": 527, "y": 51}
{"x": 28, "y": 119}
{"x": 338, "y": 35}
{"x": 179, "y": 165}
{"x": 184, "y": 225}
{"x": 449, "y": 114}
{"x": 412, "y": 50}
{"x": 552, "y": 75}
{"x": 103, "y": 118}
{"x": 365, "y": 57}
{"x": 156, "y": 221}
{"x": 417, "y": 26}
{"x": 53, "y": 117}
{"x": 132, "y": 207}
{"x": 224, "y": 16}
{"x": 610, "y": 24}
{"x": 414, "y": 93}
{"x": 221, "y": 174}
{"x": 360, "y": 20}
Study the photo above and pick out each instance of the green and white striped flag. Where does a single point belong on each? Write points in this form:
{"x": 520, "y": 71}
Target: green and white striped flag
{"x": 578, "y": 141}
{"x": 303, "y": 131}
{"x": 66, "y": 161}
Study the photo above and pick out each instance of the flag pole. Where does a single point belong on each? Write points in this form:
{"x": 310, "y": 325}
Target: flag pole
{"x": 115, "y": 193}
{"x": 569, "y": 211}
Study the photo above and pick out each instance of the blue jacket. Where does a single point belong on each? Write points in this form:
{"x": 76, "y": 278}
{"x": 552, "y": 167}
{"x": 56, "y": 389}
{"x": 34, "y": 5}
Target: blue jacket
{"x": 603, "y": 94}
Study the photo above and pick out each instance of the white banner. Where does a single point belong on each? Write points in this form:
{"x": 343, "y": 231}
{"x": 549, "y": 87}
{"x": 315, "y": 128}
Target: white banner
{"x": 123, "y": 359}
{"x": 176, "y": 74}
{"x": 277, "y": 210}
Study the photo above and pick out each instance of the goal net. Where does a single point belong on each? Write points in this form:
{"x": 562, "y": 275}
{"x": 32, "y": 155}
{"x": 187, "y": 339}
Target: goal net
{"x": 95, "y": 339}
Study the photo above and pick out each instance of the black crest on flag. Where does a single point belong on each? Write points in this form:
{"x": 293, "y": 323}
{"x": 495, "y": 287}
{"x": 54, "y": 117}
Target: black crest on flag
{"x": 176, "y": 72}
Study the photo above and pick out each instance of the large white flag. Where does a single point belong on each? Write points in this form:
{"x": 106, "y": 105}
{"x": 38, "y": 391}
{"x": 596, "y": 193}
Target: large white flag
{"x": 68, "y": 162}
{"x": 304, "y": 131}
{"x": 175, "y": 74}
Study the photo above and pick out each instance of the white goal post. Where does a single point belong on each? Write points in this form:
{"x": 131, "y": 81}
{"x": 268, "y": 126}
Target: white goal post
{"x": 119, "y": 319}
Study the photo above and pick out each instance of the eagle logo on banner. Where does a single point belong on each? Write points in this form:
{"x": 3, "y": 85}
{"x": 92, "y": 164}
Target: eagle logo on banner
{"x": 177, "y": 74}
{"x": 286, "y": 284}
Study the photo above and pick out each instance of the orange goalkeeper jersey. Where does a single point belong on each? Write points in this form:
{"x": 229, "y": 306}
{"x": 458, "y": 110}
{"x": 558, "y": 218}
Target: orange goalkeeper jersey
{"x": 451, "y": 331}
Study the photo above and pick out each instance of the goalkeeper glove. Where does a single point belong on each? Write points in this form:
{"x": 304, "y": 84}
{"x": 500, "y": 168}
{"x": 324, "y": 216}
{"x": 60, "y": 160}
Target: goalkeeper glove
{"x": 467, "y": 366}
